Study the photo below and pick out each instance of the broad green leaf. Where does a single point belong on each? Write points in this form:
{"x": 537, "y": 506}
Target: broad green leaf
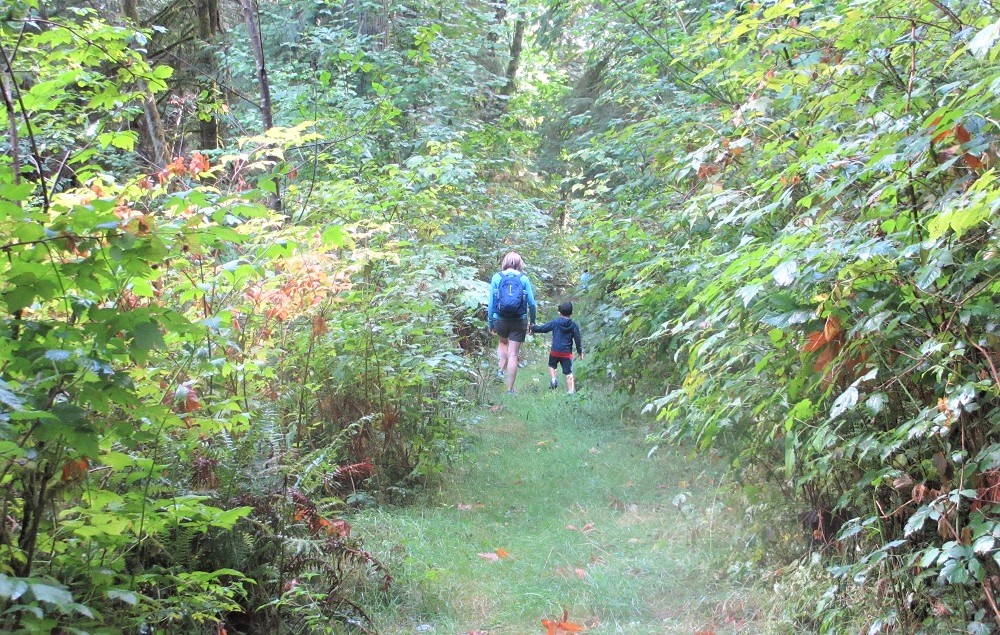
{"x": 123, "y": 595}
{"x": 8, "y": 398}
{"x": 12, "y": 588}
{"x": 846, "y": 401}
{"x": 51, "y": 593}
{"x": 983, "y": 41}
{"x": 146, "y": 337}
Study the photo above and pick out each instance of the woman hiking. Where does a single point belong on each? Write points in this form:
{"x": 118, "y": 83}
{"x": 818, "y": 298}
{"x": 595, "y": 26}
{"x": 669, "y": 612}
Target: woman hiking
{"x": 512, "y": 305}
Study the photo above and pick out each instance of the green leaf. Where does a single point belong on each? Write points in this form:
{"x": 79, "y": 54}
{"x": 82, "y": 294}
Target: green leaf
{"x": 146, "y": 336}
{"x": 17, "y": 192}
{"x": 784, "y": 274}
{"x": 929, "y": 556}
{"x": 123, "y": 595}
{"x": 334, "y": 236}
{"x": 123, "y": 140}
{"x": 12, "y": 588}
{"x": 983, "y": 41}
{"x": 51, "y": 594}
{"x": 915, "y": 522}
{"x": 8, "y": 398}
{"x": 847, "y": 400}
{"x": 876, "y": 402}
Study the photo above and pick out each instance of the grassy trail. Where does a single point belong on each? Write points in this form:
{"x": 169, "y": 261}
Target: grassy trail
{"x": 622, "y": 542}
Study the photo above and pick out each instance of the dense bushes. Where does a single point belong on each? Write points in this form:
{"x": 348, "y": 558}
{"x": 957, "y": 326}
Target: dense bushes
{"x": 801, "y": 240}
{"x": 196, "y": 388}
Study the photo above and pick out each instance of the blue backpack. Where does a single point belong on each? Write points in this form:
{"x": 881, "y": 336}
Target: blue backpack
{"x": 511, "y": 300}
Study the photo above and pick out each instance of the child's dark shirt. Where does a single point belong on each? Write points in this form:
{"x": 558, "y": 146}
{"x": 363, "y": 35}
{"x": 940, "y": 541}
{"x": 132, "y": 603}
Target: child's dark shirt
{"x": 564, "y": 333}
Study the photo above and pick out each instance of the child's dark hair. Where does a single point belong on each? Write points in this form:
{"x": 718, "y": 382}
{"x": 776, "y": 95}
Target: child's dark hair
{"x": 566, "y": 308}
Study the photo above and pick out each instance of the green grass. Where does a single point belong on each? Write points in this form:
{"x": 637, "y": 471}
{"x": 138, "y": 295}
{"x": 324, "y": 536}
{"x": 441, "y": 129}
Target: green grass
{"x": 543, "y": 463}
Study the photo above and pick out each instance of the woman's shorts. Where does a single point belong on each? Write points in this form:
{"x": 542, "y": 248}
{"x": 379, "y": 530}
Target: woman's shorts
{"x": 513, "y": 329}
{"x": 567, "y": 364}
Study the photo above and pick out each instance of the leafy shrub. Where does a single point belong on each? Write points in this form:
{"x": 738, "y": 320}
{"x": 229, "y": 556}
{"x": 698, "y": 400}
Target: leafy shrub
{"x": 804, "y": 261}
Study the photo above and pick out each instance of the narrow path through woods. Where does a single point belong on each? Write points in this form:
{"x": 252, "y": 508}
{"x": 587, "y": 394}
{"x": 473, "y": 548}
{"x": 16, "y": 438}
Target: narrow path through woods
{"x": 555, "y": 506}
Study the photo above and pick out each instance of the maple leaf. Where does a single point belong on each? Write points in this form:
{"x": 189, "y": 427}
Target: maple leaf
{"x": 502, "y": 553}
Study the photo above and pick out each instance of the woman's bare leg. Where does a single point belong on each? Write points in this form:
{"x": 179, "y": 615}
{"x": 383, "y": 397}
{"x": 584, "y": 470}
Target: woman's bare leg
{"x": 512, "y": 349}
{"x": 502, "y": 354}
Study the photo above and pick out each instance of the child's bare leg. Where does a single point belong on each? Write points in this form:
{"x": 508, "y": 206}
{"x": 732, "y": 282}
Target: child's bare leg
{"x": 570, "y": 383}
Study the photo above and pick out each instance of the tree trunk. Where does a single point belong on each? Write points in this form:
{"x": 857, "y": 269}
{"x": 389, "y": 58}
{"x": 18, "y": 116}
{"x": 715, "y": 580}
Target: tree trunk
{"x": 208, "y": 26}
{"x": 257, "y": 46}
{"x": 7, "y": 95}
{"x": 375, "y": 26}
{"x": 516, "y": 47}
{"x": 151, "y": 131}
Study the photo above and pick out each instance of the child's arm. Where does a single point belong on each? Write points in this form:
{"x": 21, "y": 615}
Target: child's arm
{"x": 578, "y": 340}
{"x": 543, "y": 328}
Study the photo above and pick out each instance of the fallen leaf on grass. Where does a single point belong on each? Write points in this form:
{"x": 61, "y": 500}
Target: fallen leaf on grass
{"x": 589, "y": 527}
{"x": 560, "y": 627}
{"x": 494, "y": 556}
{"x": 569, "y": 572}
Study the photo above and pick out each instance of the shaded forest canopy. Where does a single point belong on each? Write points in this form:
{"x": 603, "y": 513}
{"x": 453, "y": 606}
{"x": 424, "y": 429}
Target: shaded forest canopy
{"x": 244, "y": 249}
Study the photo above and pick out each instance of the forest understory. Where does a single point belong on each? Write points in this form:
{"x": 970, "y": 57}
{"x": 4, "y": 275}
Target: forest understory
{"x": 246, "y": 383}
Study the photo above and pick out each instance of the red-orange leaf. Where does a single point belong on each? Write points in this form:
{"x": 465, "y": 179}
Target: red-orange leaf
{"x": 831, "y": 329}
{"x": 74, "y": 469}
{"x": 962, "y": 134}
{"x": 814, "y": 342}
{"x": 973, "y": 161}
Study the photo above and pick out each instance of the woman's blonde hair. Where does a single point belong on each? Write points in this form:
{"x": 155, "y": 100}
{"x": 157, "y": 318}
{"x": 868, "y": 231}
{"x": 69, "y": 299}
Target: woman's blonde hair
{"x": 512, "y": 260}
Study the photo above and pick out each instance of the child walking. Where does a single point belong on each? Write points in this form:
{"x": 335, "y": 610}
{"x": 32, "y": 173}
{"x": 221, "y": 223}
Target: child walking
{"x": 565, "y": 332}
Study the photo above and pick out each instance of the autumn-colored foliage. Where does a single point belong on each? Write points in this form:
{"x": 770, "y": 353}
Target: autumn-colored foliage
{"x": 561, "y": 627}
